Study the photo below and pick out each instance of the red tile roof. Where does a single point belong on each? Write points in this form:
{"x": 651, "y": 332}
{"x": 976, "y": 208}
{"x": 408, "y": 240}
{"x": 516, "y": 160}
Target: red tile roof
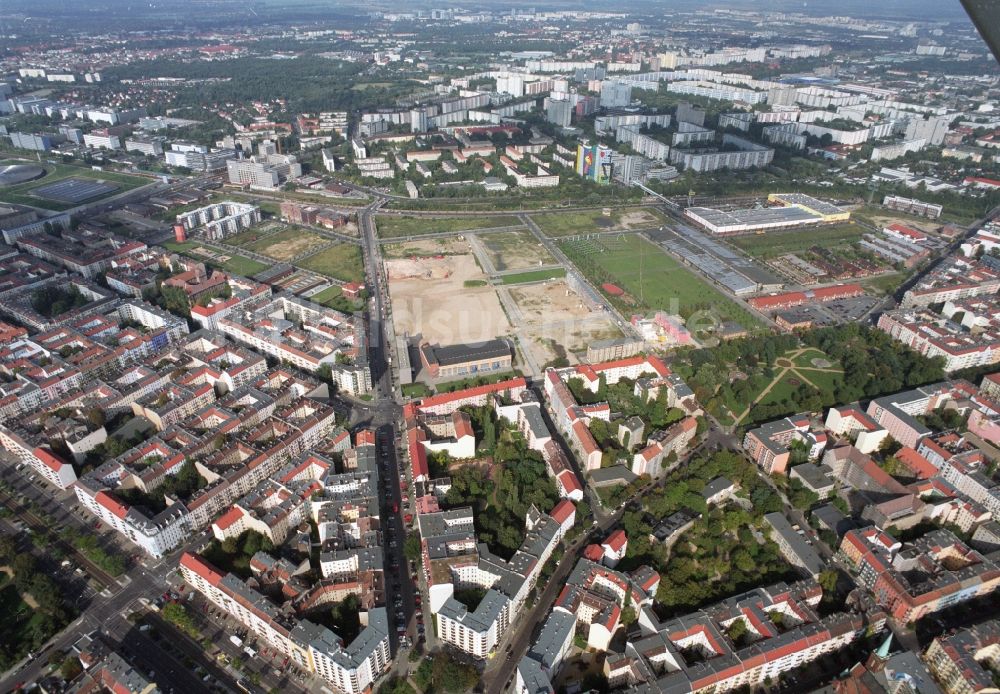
{"x": 109, "y": 502}
{"x": 228, "y": 518}
{"x": 562, "y": 511}
{"x": 201, "y": 567}
{"x": 569, "y": 481}
{"x": 444, "y": 398}
{"x": 48, "y": 459}
{"x": 616, "y": 541}
{"x": 917, "y": 463}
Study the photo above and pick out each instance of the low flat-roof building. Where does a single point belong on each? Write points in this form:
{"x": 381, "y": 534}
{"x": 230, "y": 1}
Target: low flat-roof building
{"x": 455, "y": 361}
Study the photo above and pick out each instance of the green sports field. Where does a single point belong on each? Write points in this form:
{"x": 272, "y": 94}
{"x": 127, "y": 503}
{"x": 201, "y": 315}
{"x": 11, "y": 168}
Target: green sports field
{"x": 651, "y": 279}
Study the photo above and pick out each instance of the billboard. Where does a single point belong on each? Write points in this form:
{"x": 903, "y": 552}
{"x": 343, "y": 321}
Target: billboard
{"x": 594, "y": 162}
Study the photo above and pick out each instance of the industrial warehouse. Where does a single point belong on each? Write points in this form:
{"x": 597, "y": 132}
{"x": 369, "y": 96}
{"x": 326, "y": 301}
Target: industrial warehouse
{"x": 795, "y": 210}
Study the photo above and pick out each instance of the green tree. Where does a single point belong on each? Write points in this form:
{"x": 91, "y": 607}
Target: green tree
{"x": 411, "y": 546}
{"x": 70, "y": 668}
{"x": 453, "y": 676}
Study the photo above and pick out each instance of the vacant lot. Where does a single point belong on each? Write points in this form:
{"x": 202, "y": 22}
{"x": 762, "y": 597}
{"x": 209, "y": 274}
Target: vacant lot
{"x": 22, "y": 194}
{"x": 230, "y": 262}
{"x": 650, "y": 278}
{"x": 258, "y": 232}
{"x": 341, "y": 261}
{"x": 513, "y": 250}
{"x": 429, "y": 297}
{"x": 590, "y": 221}
{"x": 392, "y": 227}
{"x": 557, "y": 322}
{"x": 443, "y": 245}
{"x": 287, "y": 244}
{"x": 775, "y": 243}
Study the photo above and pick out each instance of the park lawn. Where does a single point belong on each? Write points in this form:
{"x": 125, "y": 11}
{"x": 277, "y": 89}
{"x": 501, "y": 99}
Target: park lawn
{"x": 244, "y": 239}
{"x": 20, "y": 194}
{"x": 341, "y": 261}
{"x": 665, "y": 284}
{"x": 775, "y": 243}
{"x": 825, "y": 381}
{"x": 391, "y": 227}
{"x": 591, "y": 221}
{"x": 184, "y": 247}
{"x": 287, "y": 244}
{"x": 781, "y": 390}
{"x": 806, "y": 357}
{"x": 534, "y": 275}
{"x": 463, "y": 383}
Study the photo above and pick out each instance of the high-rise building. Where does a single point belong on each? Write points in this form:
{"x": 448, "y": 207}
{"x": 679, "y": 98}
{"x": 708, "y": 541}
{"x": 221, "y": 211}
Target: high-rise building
{"x": 615, "y": 94}
{"x": 418, "y": 120}
{"x": 559, "y": 112}
{"x": 252, "y": 173}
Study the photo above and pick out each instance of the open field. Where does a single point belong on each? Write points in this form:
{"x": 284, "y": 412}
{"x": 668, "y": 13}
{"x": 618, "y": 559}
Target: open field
{"x": 392, "y": 227}
{"x": 286, "y": 244}
{"x": 589, "y": 221}
{"x": 341, "y": 261}
{"x": 663, "y": 283}
{"x": 513, "y": 250}
{"x": 429, "y": 297}
{"x": 534, "y": 275}
{"x": 775, "y": 243}
{"x": 21, "y": 194}
{"x": 444, "y": 245}
{"x": 229, "y": 262}
{"x": 877, "y": 215}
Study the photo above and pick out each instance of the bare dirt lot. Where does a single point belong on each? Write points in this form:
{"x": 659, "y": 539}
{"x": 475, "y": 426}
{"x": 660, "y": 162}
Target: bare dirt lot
{"x": 557, "y": 322}
{"x": 515, "y": 250}
{"x": 429, "y": 297}
{"x": 446, "y": 245}
{"x": 544, "y": 302}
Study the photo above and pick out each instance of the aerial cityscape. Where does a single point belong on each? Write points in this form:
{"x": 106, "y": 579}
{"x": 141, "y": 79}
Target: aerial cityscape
{"x": 409, "y": 348}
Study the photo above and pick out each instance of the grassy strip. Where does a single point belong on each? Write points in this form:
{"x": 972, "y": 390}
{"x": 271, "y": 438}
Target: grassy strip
{"x": 534, "y": 275}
